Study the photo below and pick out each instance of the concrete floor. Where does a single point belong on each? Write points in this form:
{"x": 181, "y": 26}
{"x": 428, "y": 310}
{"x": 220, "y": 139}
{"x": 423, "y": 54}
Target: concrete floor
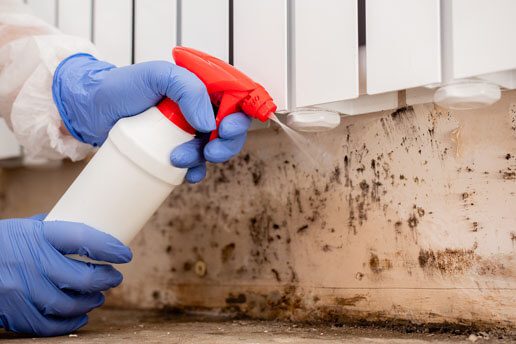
{"x": 115, "y": 326}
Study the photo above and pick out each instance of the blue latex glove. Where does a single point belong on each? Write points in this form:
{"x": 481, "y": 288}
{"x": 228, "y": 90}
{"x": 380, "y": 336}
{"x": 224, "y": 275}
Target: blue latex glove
{"x": 92, "y": 95}
{"x": 194, "y": 154}
{"x": 44, "y": 293}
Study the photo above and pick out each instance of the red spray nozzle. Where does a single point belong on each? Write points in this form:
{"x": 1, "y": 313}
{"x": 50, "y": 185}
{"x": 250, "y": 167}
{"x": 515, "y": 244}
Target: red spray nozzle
{"x": 230, "y": 90}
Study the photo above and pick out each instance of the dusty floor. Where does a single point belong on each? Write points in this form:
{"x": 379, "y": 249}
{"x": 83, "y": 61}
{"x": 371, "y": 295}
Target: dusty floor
{"x": 116, "y": 326}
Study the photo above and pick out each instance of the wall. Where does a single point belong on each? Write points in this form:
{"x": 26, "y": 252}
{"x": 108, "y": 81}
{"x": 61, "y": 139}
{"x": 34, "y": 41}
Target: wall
{"x": 408, "y": 215}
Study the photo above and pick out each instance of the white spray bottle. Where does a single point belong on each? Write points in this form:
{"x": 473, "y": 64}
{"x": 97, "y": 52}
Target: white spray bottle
{"x": 130, "y": 175}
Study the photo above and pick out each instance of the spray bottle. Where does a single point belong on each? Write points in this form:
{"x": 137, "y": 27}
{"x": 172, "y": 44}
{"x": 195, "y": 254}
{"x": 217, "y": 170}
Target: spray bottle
{"x": 130, "y": 176}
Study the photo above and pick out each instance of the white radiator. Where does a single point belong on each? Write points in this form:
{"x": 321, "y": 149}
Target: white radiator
{"x": 306, "y": 52}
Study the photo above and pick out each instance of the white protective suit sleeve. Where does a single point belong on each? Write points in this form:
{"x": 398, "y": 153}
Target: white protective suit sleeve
{"x": 30, "y": 51}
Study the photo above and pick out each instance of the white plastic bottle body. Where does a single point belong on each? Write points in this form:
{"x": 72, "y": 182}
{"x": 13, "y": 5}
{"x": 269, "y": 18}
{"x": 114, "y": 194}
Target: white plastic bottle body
{"x": 128, "y": 178}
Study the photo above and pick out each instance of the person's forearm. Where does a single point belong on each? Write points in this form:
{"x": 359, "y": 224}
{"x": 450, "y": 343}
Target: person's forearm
{"x": 30, "y": 50}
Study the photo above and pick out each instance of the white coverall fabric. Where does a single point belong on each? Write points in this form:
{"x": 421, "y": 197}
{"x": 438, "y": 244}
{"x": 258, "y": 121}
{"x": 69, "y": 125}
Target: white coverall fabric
{"x": 30, "y": 51}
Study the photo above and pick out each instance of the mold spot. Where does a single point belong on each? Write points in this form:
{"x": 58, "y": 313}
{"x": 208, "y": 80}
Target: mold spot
{"x": 276, "y": 275}
{"x": 448, "y": 261}
{"x": 378, "y": 265}
{"x": 257, "y": 172}
{"x": 401, "y": 112}
{"x": 413, "y": 221}
{"x": 236, "y": 299}
{"x": 302, "y": 229}
{"x": 259, "y": 226}
{"x": 297, "y": 195}
{"x": 364, "y": 186}
{"x": 508, "y": 175}
{"x": 335, "y": 175}
{"x": 349, "y": 301}
{"x": 228, "y": 252}
{"x": 187, "y": 266}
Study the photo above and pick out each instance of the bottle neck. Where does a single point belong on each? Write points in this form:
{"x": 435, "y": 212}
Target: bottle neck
{"x": 171, "y": 110}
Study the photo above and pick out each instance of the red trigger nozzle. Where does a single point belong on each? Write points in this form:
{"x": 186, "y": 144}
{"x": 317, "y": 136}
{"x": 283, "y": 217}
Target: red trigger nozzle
{"x": 230, "y": 90}
{"x": 258, "y": 104}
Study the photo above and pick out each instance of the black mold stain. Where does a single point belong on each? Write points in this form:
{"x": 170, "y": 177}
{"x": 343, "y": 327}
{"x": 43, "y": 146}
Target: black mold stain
{"x": 509, "y": 174}
{"x": 349, "y": 301}
{"x": 302, "y": 229}
{"x": 292, "y": 219}
{"x": 156, "y": 295}
{"x": 364, "y": 186}
{"x": 259, "y": 226}
{"x": 374, "y": 263}
{"x": 402, "y": 112}
{"x": 351, "y": 215}
{"x": 413, "y": 221}
{"x": 228, "y": 252}
{"x": 378, "y": 265}
{"x": 238, "y": 299}
{"x": 297, "y": 194}
{"x": 257, "y": 176}
{"x": 221, "y": 177}
{"x": 348, "y": 182}
{"x": 448, "y": 261}
{"x": 420, "y": 211}
{"x": 513, "y": 119}
{"x": 335, "y": 176}
{"x": 276, "y": 275}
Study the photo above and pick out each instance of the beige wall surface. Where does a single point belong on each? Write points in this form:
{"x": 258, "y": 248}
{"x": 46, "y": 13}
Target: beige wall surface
{"x": 405, "y": 215}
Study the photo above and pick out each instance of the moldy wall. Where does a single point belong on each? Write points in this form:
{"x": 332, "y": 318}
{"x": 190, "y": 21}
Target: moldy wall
{"x": 411, "y": 216}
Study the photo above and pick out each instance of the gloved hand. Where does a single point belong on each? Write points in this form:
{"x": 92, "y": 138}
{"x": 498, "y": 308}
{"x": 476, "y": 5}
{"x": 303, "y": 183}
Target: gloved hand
{"x": 194, "y": 154}
{"x": 44, "y": 293}
{"x": 92, "y": 95}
